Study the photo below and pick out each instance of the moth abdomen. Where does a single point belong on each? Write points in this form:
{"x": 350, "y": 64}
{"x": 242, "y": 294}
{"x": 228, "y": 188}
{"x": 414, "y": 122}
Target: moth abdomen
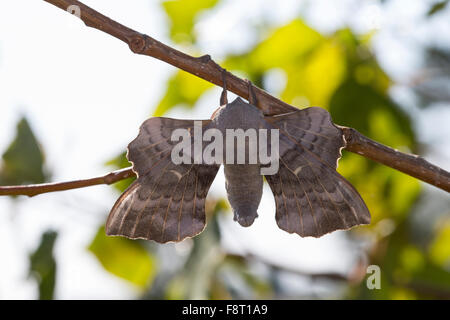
{"x": 244, "y": 185}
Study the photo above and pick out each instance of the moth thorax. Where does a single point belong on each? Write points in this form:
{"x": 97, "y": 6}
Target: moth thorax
{"x": 238, "y": 115}
{"x": 239, "y": 124}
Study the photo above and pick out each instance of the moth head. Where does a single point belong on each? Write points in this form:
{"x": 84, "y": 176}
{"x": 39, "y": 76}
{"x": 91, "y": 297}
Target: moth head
{"x": 237, "y": 115}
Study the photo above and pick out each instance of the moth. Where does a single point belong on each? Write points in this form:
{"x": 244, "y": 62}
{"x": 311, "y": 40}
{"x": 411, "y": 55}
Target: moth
{"x": 167, "y": 200}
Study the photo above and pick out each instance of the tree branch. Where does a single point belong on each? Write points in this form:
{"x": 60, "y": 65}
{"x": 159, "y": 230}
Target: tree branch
{"x": 205, "y": 68}
{"x": 35, "y": 189}
{"x": 412, "y": 165}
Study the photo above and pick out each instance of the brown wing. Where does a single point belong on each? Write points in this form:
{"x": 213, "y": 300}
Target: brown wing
{"x": 312, "y": 199}
{"x": 167, "y": 201}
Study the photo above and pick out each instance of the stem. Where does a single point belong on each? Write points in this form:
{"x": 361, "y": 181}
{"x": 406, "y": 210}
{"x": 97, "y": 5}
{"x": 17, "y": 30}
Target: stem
{"x": 35, "y": 189}
{"x": 412, "y": 165}
{"x": 335, "y": 276}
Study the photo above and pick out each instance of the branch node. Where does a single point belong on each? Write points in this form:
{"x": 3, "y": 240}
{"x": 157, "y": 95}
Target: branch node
{"x": 137, "y": 44}
{"x": 205, "y": 58}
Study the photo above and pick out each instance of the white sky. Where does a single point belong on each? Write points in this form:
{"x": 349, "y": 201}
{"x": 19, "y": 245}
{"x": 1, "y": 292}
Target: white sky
{"x": 76, "y": 85}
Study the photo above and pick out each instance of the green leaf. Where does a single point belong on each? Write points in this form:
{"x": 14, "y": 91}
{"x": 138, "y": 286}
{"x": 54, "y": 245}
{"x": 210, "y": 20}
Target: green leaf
{"x": 313, "y": 81}
{"x": 437, "y": 7}
{"x": 23, "y": 161}
{"x": 182, "y": 15}
{"x": 286, "y": 48}
{"x": 372, "y": 113}
{"x": 125, "y": 258}
{"x": 440, "y": 247}
{"x": 182, "y": 89}
{"x": 43, "y": 265}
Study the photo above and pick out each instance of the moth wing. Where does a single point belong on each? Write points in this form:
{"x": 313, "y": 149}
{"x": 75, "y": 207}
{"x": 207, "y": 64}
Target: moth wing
{"x": 167, "y": 201}
{"x": 312, "y": 199}
{"x": 313, "y": 129}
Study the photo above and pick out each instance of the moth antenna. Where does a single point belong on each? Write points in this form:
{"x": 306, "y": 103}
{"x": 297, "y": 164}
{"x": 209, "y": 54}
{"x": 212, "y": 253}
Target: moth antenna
{"x": 223, "y": 96}
{"x": 251, "y": 93}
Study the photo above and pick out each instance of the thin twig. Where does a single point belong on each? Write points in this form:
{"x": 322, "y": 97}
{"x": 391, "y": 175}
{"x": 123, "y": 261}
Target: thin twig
{"x": 412, "y": 165}
{"x": 35, "y": 189}
{"x": 335, "y": 276}
{"x": 205, "y": 68}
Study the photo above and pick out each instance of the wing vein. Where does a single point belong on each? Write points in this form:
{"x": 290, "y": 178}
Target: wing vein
{"x": 284, "y": 202}
{"x": 307, "y": 198}
{"x": 170, "y": 202}
{"x": 146, "y": 201}
{"x": 181, "y": 205}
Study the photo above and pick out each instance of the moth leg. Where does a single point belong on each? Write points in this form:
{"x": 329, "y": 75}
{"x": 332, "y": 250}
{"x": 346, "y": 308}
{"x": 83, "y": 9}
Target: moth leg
{"x": 251, "y": 93}
{"x": 223, "y": 96}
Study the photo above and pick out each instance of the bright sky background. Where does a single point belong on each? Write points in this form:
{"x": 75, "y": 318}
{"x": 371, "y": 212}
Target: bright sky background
{"x": 76, "y": 85}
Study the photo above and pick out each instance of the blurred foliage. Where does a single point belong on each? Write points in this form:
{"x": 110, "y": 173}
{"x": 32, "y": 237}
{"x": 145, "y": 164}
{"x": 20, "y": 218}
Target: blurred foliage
{"x": 437, "y": 7}
{"x": 440, "y": 248}
{"x": 182, "y": 15}
{"x": 43, "y": 265}
{"x": 182, "y": 89}
{"x": 125, "y": 258}
{"x": 23, "y": 161}
{"x": 409, "y": 271}
{"x": 432, "y": 83}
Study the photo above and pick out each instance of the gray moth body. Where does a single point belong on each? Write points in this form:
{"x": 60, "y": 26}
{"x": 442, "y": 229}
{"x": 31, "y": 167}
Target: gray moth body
{"x": 243, "y": 182}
